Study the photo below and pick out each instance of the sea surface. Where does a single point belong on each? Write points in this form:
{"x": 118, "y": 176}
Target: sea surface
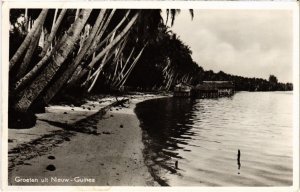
{"x": 204, "y": 135}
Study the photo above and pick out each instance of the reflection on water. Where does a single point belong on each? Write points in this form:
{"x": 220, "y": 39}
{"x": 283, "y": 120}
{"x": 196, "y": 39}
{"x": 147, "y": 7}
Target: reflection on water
{"x": 199, "y": 142}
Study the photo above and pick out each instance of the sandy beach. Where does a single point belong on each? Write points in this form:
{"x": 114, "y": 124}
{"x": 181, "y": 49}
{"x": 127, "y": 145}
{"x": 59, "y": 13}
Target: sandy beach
{"x": 110, "y": 153}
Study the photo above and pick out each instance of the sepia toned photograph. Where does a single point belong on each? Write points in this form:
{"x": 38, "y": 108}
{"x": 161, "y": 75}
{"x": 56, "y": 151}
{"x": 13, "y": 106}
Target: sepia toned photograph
{"x": 105, "y": 96}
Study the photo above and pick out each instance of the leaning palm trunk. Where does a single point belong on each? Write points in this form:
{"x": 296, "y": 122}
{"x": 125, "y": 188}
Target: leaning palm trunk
{"x": 169, "y": 83}
{"x": 36, "y": 69}
{"x": 98, "y": 36}
{"x": 93, "y": 83}
{"x": 54, "y": 18}
{"x": 32, "y": 46}
{"x": 99, "y": 45}
{"x": 38, "y": 85}
{"x": 102, "y": 14}
{"x": 90, "y": 72}
{"x": 122, "y": 82}
{"x": 98, "y": 73}
{"x": 56, "y": 86}
{"x": 33, "y": 72}
{"x": 117, "y": 59}
{"x": 116, "y": 68}
{"x": 173, "y": 79}
{"x": 29, "y": 53}
{"x": 96, "y": 46}
{"x": 100, "y": 33}
{"x": 118, "y": 77}
{"x": 103, "y": 62}
{"x": 53, "y": 31}
{"x": 26, "y": 20}
{"x": 102, "y": 30}
{"x": 99, "y": 68}
{"x": 167, "y": 76}
{"x": 170, "y": 77}
{"x": 29, "y": 24}
{"x": 83, "y": 37}
{"x": 27, "y": 39}
{"x": 121, "y": 45}
{"x": 77, "y": 13}
{"x": 106, "y": 49}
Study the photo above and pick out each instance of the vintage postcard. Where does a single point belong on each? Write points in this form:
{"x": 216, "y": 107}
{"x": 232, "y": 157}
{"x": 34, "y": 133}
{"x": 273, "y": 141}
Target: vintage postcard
{"x": 113, "y": 94}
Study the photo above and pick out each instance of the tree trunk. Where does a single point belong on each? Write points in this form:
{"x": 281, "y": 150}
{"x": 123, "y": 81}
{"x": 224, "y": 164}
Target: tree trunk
{"x": 27, "y": 39}
{"x": 42, "y": 39}
{"x": 29, "y": 24}
{"x": 53, "y": 31}
{"x": 123, "y": 68}
{"x": 26, "y": 20}
{"x": 29, "y": 76}
{"x": 122, "y": 82}
{"x": 99, "y": 45}
{"x": 99, "y": 68}
{"x": 77, "y": 13}
{"x": 32, "y": 46}
{"x": 98, "y": 73}
{"x": 83, "y": 37}
{"x": 116, "y": 69}
{"x": 56, "y": 86}
{"x": 104, "y": 60}
{"x": 54, "y": 18}
{"x": 35, "y": 70}
{"x": 90, "y": 72}
{"x": 100, "y": 32}
{"x": 127, "y": 60}
{"x": 28, "y": 55}
{"x": 117, "y": 59}
{"x": 170, "y": 77}
{"x": 78, "y": 67}
{"x": 107, "y": 48}
{"x": 32, "y": 92}
{"x": 172, "y": 80}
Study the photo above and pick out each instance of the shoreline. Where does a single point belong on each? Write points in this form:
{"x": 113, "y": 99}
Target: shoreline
{"x": 110, "y": 155}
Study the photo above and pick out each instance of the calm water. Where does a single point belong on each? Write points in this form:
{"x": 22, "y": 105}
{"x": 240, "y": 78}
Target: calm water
{"x": 204, "y": 136}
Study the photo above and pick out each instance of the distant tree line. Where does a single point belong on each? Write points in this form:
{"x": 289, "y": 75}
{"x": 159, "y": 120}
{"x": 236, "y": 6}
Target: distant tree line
{"x": 246, "y": 83}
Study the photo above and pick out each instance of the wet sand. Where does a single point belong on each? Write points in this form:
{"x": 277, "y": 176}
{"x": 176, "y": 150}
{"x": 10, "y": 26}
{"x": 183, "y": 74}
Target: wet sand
{"x": 110, "y": 156}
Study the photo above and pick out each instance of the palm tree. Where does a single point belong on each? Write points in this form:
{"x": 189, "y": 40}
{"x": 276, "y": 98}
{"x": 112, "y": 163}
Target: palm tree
{"x": 54, "y": 29}
{"x": 38, "y": 85}
{"x": 119, "y": 37}
{"x": 33, "y": 43}
{"x": 173, "y": 12}
{"x": 56, "y": 86}
{"x": 113, "y": 36}
{"x": 126, "y": 75}
{"x": 28, "y": 38}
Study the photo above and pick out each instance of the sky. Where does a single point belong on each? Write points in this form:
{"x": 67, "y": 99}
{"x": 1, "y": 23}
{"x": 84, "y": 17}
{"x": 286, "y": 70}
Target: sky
{"x": 250, "y": 43}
